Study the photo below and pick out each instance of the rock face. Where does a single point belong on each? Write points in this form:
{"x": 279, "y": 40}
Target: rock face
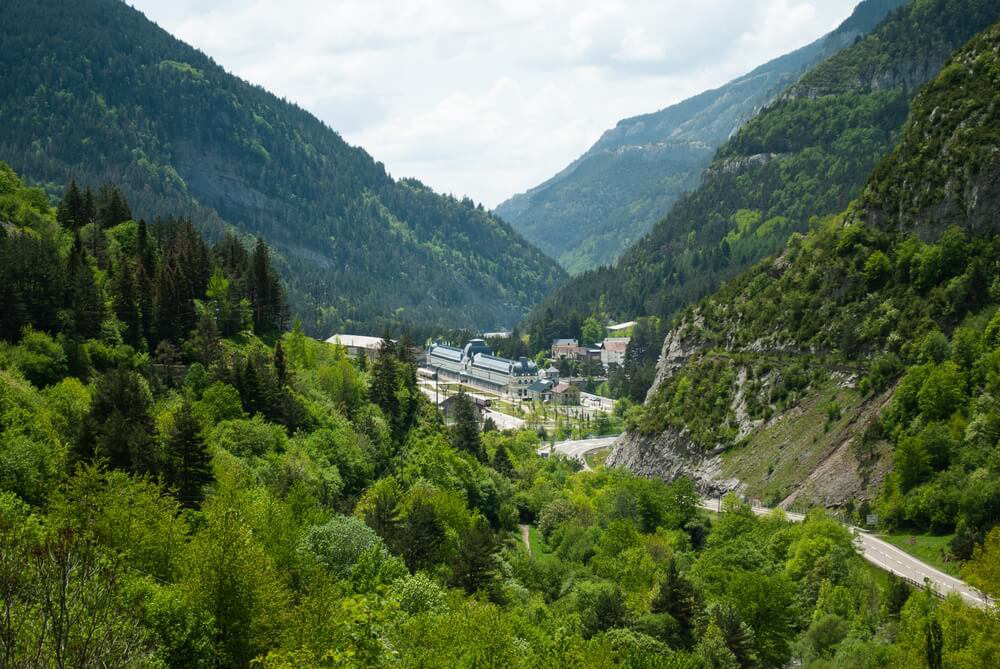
{"x": 669, "y": 456}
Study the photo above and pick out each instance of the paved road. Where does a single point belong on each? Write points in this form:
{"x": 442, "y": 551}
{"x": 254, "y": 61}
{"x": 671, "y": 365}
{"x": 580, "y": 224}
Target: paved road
{"x": 880, "y": 553}
{"x": 578, "y": 448}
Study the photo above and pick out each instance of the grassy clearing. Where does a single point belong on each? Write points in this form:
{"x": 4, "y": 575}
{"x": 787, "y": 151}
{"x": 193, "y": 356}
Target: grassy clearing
{"x": 596, "y": 458}
{"x": 539, "y": 548}
{"x": 929, "y": 549}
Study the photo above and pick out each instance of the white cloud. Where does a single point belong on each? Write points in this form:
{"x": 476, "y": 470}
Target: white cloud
{"x": 489, "y": 98}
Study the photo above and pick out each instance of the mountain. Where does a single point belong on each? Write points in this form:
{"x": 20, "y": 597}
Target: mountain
{"x": 92, "y": 90}
{"x": 807, "y": 155}
{"x": 590, "y": 212}
{"x": 862, "y": 363}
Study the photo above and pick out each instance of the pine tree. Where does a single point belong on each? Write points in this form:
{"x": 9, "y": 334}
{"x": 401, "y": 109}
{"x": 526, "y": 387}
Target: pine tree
{"x": 678, "y": 598}
{"x": 83, "y": 294}
{"x": 188, "y": 461}
{"x": 266, "y": 293}
{"x": 423, "y": 536}
{"x": 280, "y": 366}
{"x": 119, "y": 427}
{"x": 89, "y": 207}
{"x": 385, "y": 383}
{"x": 465, "y": 432}
{"x": 71, "y": 213}
{"x": 126, "y": 304}
{"x": 112, "y": 208}
{"x": 501, "y": 461}
{"x": 475, "y": 562}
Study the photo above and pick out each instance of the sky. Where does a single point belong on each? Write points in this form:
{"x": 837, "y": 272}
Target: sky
{"x": 488, "y": 98}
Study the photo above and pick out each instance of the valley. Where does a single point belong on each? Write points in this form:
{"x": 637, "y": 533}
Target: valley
{"x": 724, "y": 393}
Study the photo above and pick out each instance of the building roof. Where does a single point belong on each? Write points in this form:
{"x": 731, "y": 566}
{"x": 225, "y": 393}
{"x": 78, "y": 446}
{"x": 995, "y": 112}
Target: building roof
{"x": 492, "y": 363}
{"x": 475, "y": 346}
{"x": 524, "y": 367}
{"x": 446, "y": 352}
{"x": 540, "y": 387}
{"x": 621, "y": 326}
{"x": 551, "y": 369}
{"x": 355, "y": 341}
{"x": 564, "y": 342}
{"x": 560, "y": 387}
{"x": 616, "y": 344}
{"x": 496, "y": 335}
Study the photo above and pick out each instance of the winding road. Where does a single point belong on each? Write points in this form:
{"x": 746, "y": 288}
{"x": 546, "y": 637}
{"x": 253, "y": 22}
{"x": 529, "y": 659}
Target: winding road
{"x": 880, "y": 553}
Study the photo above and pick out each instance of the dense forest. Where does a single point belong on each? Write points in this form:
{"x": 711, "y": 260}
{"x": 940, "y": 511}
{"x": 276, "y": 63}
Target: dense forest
{"x": 589, "y": 213}
{"x": 183, "y": 485}
{"x": 94, "y": 91}
{"x": 803, "y": 158}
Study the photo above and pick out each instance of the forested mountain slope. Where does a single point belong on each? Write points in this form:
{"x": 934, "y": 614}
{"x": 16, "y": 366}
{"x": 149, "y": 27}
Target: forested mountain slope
{"x": 590, "y": 212}
{"x": 805, "y": 156}
{"x": 95, "y": 91}
{"x": 862, "y": 362}
{"x": 231, "y": 496}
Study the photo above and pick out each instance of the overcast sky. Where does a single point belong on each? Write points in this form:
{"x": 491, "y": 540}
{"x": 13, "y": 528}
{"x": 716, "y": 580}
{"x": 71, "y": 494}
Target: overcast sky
{"x": 488, "y": 98}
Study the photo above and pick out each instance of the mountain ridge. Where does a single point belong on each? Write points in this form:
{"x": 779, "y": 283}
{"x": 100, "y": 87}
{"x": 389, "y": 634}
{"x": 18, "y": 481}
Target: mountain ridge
{"x": 97, "y": 92}
{"x": 570, "y": 219}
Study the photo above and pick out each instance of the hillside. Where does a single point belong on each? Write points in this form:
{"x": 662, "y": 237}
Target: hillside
{"x": 862, "y": 362}
{"x": 95, "y": 91}
{"x": 242, "y": 497}
{"x": 595, "y": 208}
{"x": 807, "y": 155}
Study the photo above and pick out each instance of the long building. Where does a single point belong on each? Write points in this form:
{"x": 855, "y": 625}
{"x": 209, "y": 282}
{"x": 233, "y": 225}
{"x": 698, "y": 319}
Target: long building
{"x": 475, "y": 365}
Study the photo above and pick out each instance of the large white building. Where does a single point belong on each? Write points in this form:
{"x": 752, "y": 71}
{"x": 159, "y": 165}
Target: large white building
{"x": 475, "y": 365}
{"x": 357, "y": 345}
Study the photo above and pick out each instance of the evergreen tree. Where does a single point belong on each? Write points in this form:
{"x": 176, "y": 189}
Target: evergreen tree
{"x": 423, "y": 535}
{"x": 83, "y": 294}
{"x": 125, "y": 299}
{"x": 465, "y": 432}
{"x": 188, "y": 463}
{"x": 112, "y": 208}
{"x": 501, "y": 461}
{"x": 475, "y": 562}
{"x": 119, "y": 427}
{"x": 280, "y": 365}
{"x": 71, "y": 213}
{"x": 678, "y": 598}
{"x": 89, "y": 206}
{"x": 146, "y": 301}
{"x": 385, "y": 383}
{"x": 266, "y": 293}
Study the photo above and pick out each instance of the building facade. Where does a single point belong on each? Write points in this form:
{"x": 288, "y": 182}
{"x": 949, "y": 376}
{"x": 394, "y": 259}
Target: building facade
{"x": 613, "y": 351}
{"x": 475, "y": 365}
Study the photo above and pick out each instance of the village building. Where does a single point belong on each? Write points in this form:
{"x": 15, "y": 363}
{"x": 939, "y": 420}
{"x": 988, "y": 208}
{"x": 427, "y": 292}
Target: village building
{"x": 565, "y": 349}
{"x": 541, "y": 390}
{"x": 476, "y": 366}
{"x": 564, "y": 393}
{"x": 622, "y": 329}
{"x": 550, "y": 373}
{"x": 357, "y": 345}
{"x": 613, "y": 351}
{"x": 447, "y": 407}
